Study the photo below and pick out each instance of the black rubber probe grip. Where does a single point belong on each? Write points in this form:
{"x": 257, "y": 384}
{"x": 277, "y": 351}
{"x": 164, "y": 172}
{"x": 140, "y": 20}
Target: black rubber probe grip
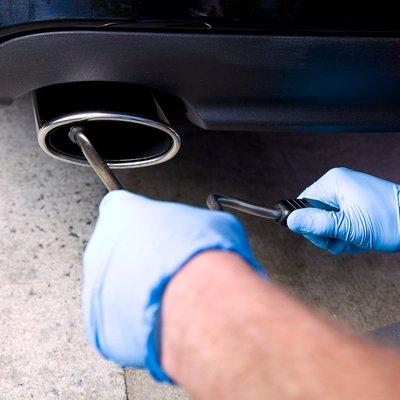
{"x": 288, "y": 206}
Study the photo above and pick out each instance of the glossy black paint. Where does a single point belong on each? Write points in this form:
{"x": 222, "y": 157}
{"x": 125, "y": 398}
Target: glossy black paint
{"x": 273, "y": 15}
{"x": 291, "y": 64}
{"x": 227, "y": 82}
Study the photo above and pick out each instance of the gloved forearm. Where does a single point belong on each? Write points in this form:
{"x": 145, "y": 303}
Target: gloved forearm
{"x": 138, "y": 245}
{"x": 230, "y": 335}
{"x": 368, "y": 218}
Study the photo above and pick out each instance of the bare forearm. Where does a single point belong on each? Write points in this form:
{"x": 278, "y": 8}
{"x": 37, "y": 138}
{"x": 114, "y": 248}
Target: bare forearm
{"x": 227, "y": 334}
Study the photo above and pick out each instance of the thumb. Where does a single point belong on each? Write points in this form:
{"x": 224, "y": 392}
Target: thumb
{"x": 316, "y": 222}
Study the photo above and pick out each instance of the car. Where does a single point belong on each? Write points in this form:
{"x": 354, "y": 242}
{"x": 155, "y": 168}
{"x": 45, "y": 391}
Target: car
{"x": 258, "y": 65}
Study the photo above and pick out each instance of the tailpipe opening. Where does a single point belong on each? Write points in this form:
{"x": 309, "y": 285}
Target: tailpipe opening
{"x": 125, "y": 124}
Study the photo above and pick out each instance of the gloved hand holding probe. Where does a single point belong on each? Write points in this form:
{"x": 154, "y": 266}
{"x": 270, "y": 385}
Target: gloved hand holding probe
{"x": 368, "y": 218}
{"x": 137, "y": 247}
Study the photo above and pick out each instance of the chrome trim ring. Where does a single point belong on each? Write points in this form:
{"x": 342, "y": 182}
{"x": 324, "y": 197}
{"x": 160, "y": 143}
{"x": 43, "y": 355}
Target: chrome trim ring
{"x": 105, "y": 116}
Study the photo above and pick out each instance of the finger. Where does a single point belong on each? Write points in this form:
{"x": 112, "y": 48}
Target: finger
{"x": 115, "y": 216}
{"x": 336, "y": 246}
{"x": 326, "y": 188}
{"x": 317, "y": 241}
{"x": 120, "y": 203}
{"x": 316, "y": 222}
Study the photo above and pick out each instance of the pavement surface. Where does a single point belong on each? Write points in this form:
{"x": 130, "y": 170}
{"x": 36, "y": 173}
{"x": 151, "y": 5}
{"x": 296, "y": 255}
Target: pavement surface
{"x": 48, "y": 210}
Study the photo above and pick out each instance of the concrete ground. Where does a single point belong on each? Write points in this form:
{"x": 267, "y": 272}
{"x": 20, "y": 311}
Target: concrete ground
{"x": 48, "y": 208}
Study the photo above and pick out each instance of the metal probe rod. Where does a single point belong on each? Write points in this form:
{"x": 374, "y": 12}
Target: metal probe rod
{"x": 217, "y": 202}
{"x": 76, "y": 134}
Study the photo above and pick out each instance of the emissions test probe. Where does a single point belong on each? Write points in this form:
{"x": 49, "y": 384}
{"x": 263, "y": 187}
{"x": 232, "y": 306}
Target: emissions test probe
{"x": 279, "y": 213}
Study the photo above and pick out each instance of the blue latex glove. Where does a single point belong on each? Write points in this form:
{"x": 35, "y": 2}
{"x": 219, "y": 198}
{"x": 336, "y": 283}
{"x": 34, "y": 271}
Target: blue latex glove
{"x": 368, "y": 218}
{"x": 138, "y": 245}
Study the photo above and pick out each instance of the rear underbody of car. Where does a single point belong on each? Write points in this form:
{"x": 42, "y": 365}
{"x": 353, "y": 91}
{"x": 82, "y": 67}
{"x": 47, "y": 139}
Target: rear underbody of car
{"x": 289, "y": 65}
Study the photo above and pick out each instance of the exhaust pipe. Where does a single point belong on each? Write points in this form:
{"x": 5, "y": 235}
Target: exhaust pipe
{"x": 125, "y": 124}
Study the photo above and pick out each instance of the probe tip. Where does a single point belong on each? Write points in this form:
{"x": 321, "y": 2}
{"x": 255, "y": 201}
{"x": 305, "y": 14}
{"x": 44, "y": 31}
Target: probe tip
{"x": 213, "y": 203}
{"x": 73, "y": 132}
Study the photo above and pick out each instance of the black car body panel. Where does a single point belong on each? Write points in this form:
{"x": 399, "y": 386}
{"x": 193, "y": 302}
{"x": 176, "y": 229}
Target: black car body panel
{"x": 284, "y": 15}
{"x": 256, "y": 65}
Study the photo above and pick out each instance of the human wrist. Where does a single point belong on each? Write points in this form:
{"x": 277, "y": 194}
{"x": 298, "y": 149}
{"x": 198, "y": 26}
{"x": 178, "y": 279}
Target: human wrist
{"x": 197, "y": 285}
{"x": 228, "y": 238}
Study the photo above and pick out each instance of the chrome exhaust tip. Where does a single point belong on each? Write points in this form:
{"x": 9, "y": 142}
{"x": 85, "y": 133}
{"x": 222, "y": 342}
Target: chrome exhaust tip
{"x": 124, "y": 139}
